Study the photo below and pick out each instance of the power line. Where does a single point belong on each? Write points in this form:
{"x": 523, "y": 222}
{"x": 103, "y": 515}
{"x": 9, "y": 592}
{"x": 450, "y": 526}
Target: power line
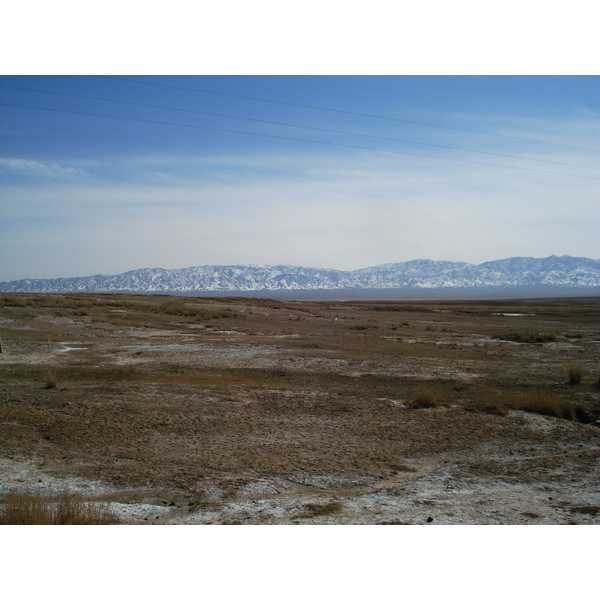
{"x": 320, "y": 129}
{"x": 279, "y": 137}
{"x": 346, "y": 112}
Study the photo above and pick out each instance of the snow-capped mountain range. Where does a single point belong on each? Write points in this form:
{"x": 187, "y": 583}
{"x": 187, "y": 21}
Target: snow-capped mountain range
{"x": 566, "y": 271}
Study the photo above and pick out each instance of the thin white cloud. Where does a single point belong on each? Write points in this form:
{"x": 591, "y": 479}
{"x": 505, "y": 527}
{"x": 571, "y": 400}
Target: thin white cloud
{"x": 323, "y": 208}
{"x": 36, "y": 168}
{"x": 325, "y": 212}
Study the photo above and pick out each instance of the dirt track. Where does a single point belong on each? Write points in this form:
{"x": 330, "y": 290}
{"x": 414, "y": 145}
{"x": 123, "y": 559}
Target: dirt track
{"x": 186, "y": 411}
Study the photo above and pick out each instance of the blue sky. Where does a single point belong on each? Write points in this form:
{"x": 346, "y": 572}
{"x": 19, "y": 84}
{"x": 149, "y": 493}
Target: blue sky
{"x": 469, "y": 168}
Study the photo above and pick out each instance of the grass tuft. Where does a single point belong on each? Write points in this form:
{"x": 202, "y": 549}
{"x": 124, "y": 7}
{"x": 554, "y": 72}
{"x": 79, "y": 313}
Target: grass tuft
{"x": 51, "y": 381}
{"x": 316, "y": 510}
{"x": 27, "y": 508}
{"x": 575, "y": 375}
{"x": 543, "y": 403}
{"x": 427, "y": 398}
{"x": 490, "y": 407}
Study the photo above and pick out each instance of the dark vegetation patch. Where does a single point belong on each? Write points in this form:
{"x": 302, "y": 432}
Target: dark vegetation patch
{"x": 318, "y": 510}
{"x": 543, "y": 402}
{"x": 527, "y": 337}
{"x": 427, "y": 398}
{"x": 575, "y": 375}
{"x": 586, "y": 510}
{"x": 401, "y": 308}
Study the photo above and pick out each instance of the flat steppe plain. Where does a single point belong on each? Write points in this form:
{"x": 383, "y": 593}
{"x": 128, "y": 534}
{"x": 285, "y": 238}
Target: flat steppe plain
{"x": 180, "y": 410}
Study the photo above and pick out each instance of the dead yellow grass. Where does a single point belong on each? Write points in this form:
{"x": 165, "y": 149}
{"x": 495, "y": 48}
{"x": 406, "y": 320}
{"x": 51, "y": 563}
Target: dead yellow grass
{"x": 51, "y": 381}
{"x": 25, "y": 508}
{"x": 317, "y": 510}
{"x": 544, "y": 403}
{"x": 489, "y": 405}
{"x": 575, "y": 374}
{"x": 427, "y": 398}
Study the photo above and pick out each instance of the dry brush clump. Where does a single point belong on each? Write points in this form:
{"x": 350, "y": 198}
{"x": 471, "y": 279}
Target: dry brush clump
{"x": 427, "y": 398}
{"x": 51, "y": 381}
{"x": 317, "y": 510}
{"x": 34, "y": 508}
{"x": 544, "y": 403}
{"x": 575, "y": 374}
{"x": 539, "y": 401}
{"x": 52, "y": 301}
{"x": 491, "y": 406}
{"x": 526, "y": 337}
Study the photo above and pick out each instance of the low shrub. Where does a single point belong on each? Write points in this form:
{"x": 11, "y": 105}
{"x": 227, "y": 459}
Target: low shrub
{"x": 51, "y": 381}
{"x": 575, "y": 375}
{"x": 426, "y": 398}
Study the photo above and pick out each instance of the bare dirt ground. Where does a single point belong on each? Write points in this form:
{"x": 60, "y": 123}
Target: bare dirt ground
{"x": 248, "y": 411}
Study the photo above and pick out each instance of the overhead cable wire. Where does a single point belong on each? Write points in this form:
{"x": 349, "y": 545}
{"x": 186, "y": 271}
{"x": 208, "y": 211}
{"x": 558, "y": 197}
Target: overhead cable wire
{"x": 280, "y": 137}
{"x": 346, "y": 112}
{"x": 308, "y": 127}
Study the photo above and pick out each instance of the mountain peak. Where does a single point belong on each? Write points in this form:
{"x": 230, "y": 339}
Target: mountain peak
{"x": 419, "y": 273}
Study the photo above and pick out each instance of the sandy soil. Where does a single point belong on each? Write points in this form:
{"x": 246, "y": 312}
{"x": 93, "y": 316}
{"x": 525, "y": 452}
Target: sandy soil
{"x": 240, "y": 411}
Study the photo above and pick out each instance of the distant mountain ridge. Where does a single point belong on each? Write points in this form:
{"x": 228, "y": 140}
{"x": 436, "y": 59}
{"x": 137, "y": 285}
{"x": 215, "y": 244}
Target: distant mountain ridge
{"x": 565, "y": 271}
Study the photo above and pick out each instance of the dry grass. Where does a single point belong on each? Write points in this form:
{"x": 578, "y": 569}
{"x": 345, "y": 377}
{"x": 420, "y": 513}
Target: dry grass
{"x": 540, "y": 401}
{"x": 22, "y": 508}
{"x": 157, "y": 404}
{"x": 317, "y": 510}
{"x": 527, "y": 337}
{"x": 575, "y": 374}
{"x": 51, "y": 381}
{"x": 543, "y": 402}
{"x": 489, "y": 406}
{"x": 427, "y": 398}
{"x": 187, "y": 309}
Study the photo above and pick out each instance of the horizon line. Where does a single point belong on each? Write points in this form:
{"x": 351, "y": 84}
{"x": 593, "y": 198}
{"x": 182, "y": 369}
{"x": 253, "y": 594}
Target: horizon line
{"x": 265, "y": 265}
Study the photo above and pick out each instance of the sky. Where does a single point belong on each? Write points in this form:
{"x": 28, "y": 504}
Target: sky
{"x": 105, "y": 174}
{"x": 318, "y": 137}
